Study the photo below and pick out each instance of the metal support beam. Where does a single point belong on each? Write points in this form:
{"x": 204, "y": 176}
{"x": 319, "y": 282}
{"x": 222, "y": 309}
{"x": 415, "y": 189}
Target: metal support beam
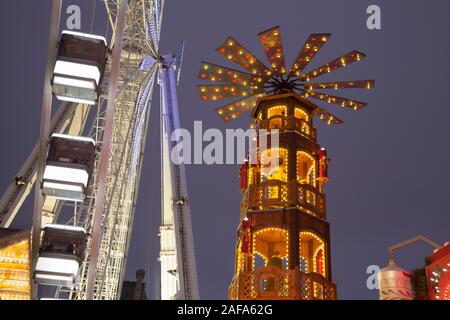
{"x": 106, "y": 148}
{"x": 411, "y": 241}
{"x": 69, "y": 117}
{"x": 44, "y": 135}
{"x": 178, "y": 265}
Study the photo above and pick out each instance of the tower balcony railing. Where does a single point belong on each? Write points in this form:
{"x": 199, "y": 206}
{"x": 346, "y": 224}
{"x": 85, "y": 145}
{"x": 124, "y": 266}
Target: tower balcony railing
{"x": 289, "y": 123}
{"x": 269, "y": 283}
{"x": 273, "y": 194}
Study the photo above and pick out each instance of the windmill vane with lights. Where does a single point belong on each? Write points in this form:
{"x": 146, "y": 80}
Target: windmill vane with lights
{"x": 283, "y": 213}
{"x": 261, "y": 81}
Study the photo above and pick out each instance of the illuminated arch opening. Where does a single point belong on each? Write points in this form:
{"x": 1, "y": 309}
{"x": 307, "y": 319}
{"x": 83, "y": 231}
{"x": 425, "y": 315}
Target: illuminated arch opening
{"x": 276, "y": 116}
{"x": 277, "y": 111}
{"x": 312, "y": 253}
{"x": 274, "y": 171}
{"x": 301, "y": 114}
{"x": 272, "y": 244}
{"x": 306, "y": 168}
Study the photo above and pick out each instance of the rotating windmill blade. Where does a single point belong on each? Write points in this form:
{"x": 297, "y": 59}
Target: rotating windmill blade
{"x": 312, "y": 45}
{"x": 259, "y": 80}
{"x": 272, "y": 44}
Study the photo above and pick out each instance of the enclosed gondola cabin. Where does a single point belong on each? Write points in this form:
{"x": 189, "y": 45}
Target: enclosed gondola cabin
{"x": 69, "y": 166}
{"x": 60, "y": 256}
{"x": 79, "y": 67}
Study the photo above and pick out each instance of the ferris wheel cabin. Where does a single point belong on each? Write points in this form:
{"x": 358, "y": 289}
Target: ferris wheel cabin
{"x": 60, "y": 256}
{"x": 79, "y": 67}
{"x": 69, "y": 166}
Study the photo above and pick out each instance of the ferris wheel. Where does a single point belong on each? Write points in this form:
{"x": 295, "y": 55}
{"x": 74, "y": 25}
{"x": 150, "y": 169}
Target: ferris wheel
{"x": 87, "y": 164}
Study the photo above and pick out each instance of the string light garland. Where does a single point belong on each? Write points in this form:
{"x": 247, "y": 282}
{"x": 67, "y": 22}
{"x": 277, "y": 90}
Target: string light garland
{"x": 436, "y": 276}
{"x": 14, "y": 272}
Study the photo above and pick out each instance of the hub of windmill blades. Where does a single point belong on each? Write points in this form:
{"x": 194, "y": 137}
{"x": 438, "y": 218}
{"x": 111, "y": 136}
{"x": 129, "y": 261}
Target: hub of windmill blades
{"x": 259, "y": 80}
{"x": 283, "y": 84}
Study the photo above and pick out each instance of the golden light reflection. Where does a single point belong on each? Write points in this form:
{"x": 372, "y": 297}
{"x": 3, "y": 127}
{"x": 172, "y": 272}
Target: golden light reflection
{"x": 15, "y": 272}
